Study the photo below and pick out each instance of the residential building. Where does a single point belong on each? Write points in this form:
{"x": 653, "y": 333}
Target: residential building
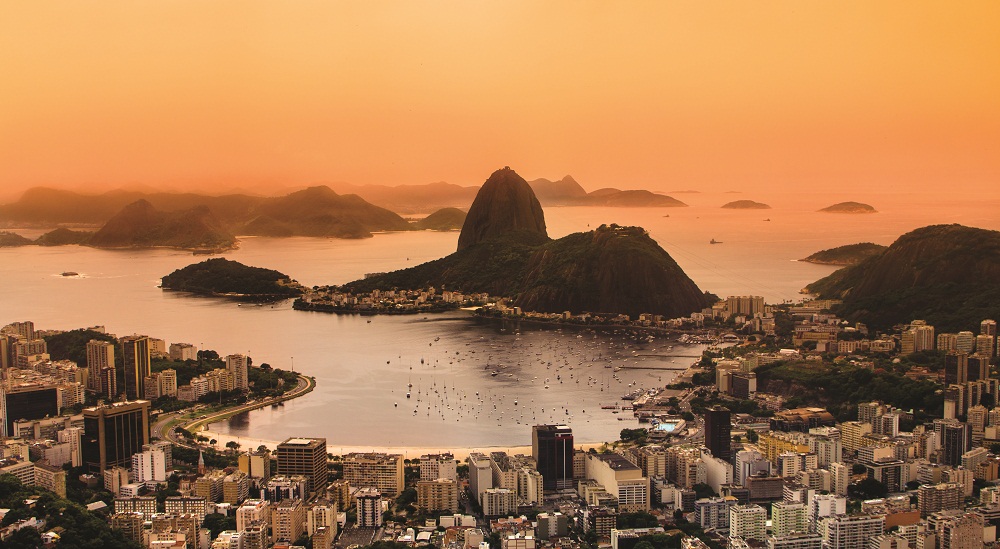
{"x": 437, "y": 495}
{"x": 435, "y": 466}
{"x": 382, "y": 471}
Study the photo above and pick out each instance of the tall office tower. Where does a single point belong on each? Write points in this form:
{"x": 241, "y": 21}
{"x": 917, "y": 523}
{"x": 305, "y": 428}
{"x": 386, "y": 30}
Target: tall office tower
{"x": 135, "y": 351}
{"x": 956, "y": 367}
{"x": 306, "y": 457}
{"x": 552, "y": 448}
{"x": 237, "y": 364}
{"x": 113, "y": 433}
{"x": 718, "y": 428}
{"x": 956, "y": 439}
{"x": 28, "y": 399}
{"x": 100, "y": 355}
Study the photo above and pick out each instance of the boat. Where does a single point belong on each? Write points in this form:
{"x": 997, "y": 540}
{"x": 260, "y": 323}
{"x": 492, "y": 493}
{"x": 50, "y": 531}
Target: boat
{"x": 70, "y": 273}
{"x": 714, "y": 241}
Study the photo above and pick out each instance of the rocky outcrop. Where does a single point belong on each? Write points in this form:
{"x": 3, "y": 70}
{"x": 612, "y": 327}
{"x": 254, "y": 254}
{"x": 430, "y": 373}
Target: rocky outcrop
{"x": 504, "y": 204}
{"x": 948, "y": 275}
{"x": 140, "y": 225}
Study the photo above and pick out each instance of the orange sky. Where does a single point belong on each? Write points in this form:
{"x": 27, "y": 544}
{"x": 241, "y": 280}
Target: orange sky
{"x": 662, "y": 94}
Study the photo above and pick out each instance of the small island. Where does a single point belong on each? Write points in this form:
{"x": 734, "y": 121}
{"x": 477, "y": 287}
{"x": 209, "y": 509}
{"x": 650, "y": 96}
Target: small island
{"x": 850, "y": 208}
{"x": 851, "y": 254}
{"x": 221, "y": 277}
{"x": 445, "y": 219}
{"x": 746, "y": 205}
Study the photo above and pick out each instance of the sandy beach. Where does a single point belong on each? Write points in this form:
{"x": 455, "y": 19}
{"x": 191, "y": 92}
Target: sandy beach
{"x": 408, "y": 452}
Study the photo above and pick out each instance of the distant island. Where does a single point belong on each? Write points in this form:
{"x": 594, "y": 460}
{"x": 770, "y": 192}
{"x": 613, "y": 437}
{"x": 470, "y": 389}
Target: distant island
{"x": 567, "y": 192}
{"x": 851, "y": 254}
{"x": 849, "y": 208}
{"x": 221, "y": 277}
{"x": 445, "y": 219}
{"x": 746, "y": 205}
{"x": 948, "y": 275}
{"x": 140, "y": 225}
{"x": 12, "y": 240}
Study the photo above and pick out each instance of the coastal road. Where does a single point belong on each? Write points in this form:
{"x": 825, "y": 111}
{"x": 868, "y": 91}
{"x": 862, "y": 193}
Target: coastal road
{"x": 165, "y": 424}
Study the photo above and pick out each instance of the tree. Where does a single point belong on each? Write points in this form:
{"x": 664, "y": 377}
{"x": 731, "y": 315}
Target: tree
{"x": 703, "y": 490}
{"x": 867, "y": 489}
{"x": 233, "y": 445}
{"x": 752, "y": 436}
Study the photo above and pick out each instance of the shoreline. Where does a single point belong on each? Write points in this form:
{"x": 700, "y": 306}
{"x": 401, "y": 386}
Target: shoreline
{"x": 408, "y": 452}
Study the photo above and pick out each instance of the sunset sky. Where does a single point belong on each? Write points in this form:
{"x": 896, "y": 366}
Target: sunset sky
{"x": 663, "y": 95}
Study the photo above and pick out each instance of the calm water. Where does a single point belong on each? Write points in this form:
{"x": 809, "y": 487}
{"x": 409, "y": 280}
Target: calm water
{"x": 363, "y": 368}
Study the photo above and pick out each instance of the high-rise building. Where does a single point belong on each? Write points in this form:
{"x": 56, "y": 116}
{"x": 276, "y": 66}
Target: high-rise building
{"x": 306, "y": 457}
{"x": 480, "y": 475}
{"x": 100, "y": 355}
{"x": 183, "y": 351}
{"x": 932, "y": 498}
{"x": 789, "y": 518}
{"x": 238, "y": 365}
{"x": 956, "y": 439}
{"x": 382, "y": 471}
{"x": 552, "y": 448}
{"x": 965, "y": 342}
{"x": 135, "y": 353}
{"x": 369, "y": 508}
{"x": 956, "y": 367}
{"x": 435, "y": 466}
{"x": 32, "y": 398}
{"x": 113, "y": 433}
{"x": 149, "y": 465}
{"x": 437, "y": 495}
{"x": 748, "y": 522}
{"x": 718, "y": 429}
{"x": 288, "y": 519}
{"x": 978, "y": 366}
{"x": 850, "y": 532}
{"x": 256, "y": 464}
{"x": 957, "y": 529}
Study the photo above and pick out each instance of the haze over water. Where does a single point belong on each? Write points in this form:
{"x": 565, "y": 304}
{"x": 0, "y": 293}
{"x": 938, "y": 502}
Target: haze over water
{"x": 363, "y": 368}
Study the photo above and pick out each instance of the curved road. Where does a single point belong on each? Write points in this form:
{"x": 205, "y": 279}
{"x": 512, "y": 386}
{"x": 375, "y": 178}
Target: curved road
{"x": 165, "y": 424}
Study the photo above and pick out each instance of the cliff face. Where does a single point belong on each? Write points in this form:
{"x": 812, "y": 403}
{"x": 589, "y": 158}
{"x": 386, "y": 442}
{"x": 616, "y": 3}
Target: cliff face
{"x": 504, "y": 204}
{"x": 140, "y": 225}
{"x": 612, "y": 269}
{"x": 948, "y": 275}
